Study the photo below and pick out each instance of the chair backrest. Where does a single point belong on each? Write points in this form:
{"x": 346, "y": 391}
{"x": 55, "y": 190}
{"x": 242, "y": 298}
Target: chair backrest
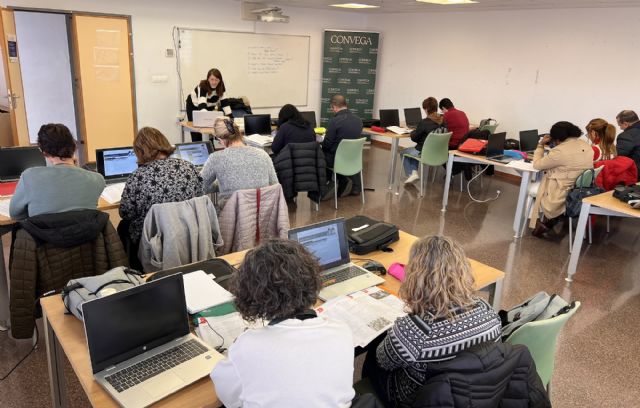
{"x": 348, "y": 159}
{"x": 435, "y": 150}
{"x": 490, "y": 127}
{"x": 588, "y": 177}
{"x": 540, "y": 337}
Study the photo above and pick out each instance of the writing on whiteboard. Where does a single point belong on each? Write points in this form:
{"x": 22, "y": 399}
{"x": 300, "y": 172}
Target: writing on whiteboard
{"x": 265, "y": 60}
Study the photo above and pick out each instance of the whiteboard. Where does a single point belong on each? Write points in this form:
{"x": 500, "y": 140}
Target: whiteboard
{"x": 269, "y": 69}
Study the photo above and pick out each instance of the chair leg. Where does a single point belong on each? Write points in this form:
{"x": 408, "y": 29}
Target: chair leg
{"x": 318, "y": 205}
{"x": 433, "y": 179}
{"x": 570, "y": 233}
{"x": 421, "y": 180}
{"x": 402, "y": 164}
{"x": 608, "y": 219}
{"x": 335, "y": 189}
{"x": 461, "y": 178}
{"x": 589, "y": 226}
{"x": 362, "y": 186}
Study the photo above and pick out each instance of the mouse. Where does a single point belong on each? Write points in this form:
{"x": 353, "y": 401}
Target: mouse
{"x": 375, "y": 267}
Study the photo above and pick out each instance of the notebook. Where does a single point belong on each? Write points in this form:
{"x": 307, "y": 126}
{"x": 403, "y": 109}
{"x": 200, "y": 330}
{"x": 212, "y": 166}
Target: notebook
{"x": 202, "y": 292}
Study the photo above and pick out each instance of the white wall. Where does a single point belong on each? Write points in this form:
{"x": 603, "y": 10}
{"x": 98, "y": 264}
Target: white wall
{"x": 152, "y": 22}
{"x": 527, "y": 69}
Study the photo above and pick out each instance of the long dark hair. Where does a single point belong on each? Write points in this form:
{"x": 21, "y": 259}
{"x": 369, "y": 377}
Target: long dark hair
{"x": 289, "y": 113}
{"x": 206, "y": 87}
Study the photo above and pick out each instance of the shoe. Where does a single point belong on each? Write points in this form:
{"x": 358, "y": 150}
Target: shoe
{"x": 344, "y": 192}
{"x": 413, "y": 177}
{"x": 355, "y": 192}
{"x": 330, "y": 192}
{"x": 539, "y": 230}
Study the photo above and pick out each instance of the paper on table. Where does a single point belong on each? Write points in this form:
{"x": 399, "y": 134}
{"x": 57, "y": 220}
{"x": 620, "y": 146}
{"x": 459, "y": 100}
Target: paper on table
{"x": 521, "y": 165}
{"x": 202, "y": 292}
{"x": 113, "y": 193}
{"x": 258, "y": 140}
{"x": 4, "y": 207}
{"x": 228, "y": 326}
{"x": 398, "y": 130}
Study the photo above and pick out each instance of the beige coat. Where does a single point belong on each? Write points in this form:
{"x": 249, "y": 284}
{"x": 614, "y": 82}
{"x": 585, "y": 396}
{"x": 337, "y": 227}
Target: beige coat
{"x": 562, "y": 166}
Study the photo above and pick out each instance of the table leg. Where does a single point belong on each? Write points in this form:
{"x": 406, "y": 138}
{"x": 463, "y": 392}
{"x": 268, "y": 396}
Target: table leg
{"x": 495, "y": 294}
{"x": 518, "y": 222}
{"x": 577, "y": 240}
{"x": 55, "y": 362}
{"x": 447, "y": 183}
{"x": 4, "y": 288}
{"x": 394, "y": 157}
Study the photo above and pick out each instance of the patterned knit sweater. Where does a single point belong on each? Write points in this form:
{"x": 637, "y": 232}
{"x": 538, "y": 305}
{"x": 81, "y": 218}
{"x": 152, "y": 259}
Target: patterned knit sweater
{"x": 413, "y": 342}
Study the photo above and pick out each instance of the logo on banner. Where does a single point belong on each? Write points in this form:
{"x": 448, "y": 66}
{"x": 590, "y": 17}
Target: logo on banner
{"x": 324, "y": 100}
{"x": 327, "y": 60}
{"x": 368, "y": 111}
{"x": 363, "y": 81}
{"x": 345, "y": 60}
{"x": 354, "y": 50}
{"x": 344, "y": 81}
{"x": 364, "y": 61}
{"x": 371, "y": 91}
{"x": 352, "y": 91}
{"x": 373, "y": 50}
{"x": 350, "y": 39}
{"x": 362, "y": 101}
{"x": 371, "y": 71}
{"x": 326, "y": 80}
{"x": 333, "y": 90}
{"x": 354, "y": 71}
{"x": 335, "y": 49}
{"x": 335, "y": 70}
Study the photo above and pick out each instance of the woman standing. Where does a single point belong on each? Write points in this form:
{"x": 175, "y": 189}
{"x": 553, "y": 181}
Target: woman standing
{"x": 207, "y": 96}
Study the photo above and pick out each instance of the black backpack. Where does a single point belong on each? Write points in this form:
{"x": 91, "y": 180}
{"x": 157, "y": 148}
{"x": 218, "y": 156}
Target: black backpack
{"x": 367, "y": 235}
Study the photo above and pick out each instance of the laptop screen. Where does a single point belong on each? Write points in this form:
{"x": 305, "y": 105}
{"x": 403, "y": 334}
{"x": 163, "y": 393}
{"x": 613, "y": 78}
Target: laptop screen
{"x": 257, "y": 124}
{"x": 412, "y": 116}
{"x": 310, "y": 117}
{"x": 326, "y": 240}
{"x": 15, "y": 160}
{"x": 389, "y": 117}
{"x": 529, "y": 140}
{"x": 128, "y": 323}
{"x": 116, "y": 163}
{"x": 196, "y": 153}
{"x": 495, "y": 147}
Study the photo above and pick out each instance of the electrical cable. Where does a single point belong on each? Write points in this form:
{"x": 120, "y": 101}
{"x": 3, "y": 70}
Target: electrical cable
{"x": 219, "y": 348}
{"x": 176, "y": 53}
{"x": 498, "y": 192}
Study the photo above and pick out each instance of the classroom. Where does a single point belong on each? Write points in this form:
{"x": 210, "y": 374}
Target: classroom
{"x": 525, "y": 64}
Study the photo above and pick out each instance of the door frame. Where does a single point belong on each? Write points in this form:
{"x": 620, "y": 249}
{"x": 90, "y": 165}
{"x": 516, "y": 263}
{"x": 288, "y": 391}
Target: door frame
{"x": 5, "y": 67}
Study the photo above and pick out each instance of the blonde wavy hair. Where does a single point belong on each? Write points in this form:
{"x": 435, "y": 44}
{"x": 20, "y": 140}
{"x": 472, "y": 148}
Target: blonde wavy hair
{"x": 438, "y": 279}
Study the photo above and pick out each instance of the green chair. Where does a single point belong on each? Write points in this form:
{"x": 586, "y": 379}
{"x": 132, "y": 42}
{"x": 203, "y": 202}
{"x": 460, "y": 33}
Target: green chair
{"x": 348, "y": 162}
{"x": 541, "y": 337}
{"x": 586, "y": 179}
{"x": 435, "y": 152}
{"x": 490, "y": 127}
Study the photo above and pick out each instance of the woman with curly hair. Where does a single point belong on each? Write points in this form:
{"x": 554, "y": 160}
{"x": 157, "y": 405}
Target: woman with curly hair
{"x": 443, "y": 319}
{"x": 298, "y": 359}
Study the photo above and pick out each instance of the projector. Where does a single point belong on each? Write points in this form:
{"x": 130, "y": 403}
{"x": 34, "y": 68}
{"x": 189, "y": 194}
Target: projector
{"x": 271, "y": 15}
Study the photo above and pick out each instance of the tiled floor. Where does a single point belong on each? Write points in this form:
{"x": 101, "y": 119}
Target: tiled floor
{"x": 598, "y": 360}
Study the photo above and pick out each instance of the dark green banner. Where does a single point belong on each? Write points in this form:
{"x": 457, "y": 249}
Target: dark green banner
{"x": 349, "y": 68}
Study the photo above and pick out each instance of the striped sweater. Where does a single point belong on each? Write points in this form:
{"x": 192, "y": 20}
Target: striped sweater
{"x": 413, "y": 342}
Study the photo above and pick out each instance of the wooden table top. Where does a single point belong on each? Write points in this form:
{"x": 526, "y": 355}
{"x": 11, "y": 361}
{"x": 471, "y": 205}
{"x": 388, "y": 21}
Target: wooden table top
{"x": 70, "y": 331}
{"x": 103, "y": 205}
{"x": 387, "y": 134}
{"x": 189, "y": 126}
{"x": 607, "y": 201}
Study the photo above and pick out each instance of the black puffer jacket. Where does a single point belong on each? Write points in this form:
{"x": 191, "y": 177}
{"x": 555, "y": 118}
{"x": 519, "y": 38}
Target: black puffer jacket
{"x": 301, "y": 167}
{"x": 485, "y": 376}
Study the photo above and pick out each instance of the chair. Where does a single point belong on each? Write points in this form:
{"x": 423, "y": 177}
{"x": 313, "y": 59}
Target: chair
{"x": 348, "y": 162}
{"x": 490, "y": 127}
{"x": 586, "y": 179}
{"x": 435, "y": 152}
{"x": 540, "y": 337}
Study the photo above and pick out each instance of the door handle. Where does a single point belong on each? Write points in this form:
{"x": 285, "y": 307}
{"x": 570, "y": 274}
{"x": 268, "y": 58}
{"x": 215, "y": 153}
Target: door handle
{"x": 11, "y": 97}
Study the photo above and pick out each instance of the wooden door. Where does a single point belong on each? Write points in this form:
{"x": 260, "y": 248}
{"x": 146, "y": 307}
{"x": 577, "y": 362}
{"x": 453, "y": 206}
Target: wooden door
{"x": 104, "y": 81}
{"x": 12, "y": 97}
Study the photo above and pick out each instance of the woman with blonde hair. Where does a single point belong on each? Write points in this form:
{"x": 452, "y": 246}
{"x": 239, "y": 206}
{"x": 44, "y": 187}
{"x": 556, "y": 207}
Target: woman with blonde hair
{"x": 238, "y": 166}
{"x": 443, "y": 319}
{"x": 602, "y": 135}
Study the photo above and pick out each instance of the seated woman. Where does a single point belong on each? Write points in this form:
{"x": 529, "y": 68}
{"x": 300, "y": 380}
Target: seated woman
{"x": 59, "y": 187}
{"x": 158, "y": 179}
{"x": 292, "y": 128}
{"x": 444, "y": 319}
{"x": 602, "y": 135}
{"x": 564, "y": 163}
{"x": 238, "y": 166}
{"x": 427, "y": 125}
{"x": 298, "y": 359}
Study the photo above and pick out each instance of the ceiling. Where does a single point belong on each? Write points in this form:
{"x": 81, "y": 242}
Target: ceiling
{"x": 412, "y": 6}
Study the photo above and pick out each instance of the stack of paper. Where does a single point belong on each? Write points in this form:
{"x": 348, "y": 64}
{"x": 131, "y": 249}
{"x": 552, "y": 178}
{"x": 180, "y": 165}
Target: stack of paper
{"x": 202, "y": 292}
{"x": 398, "y": 130}
{"x": 258, "y": 140}
{"x": 368, "y": 313}
{"x": 221, "y": 331}
{"x": 113, "y": 192}
{"x": 4, "y": 207}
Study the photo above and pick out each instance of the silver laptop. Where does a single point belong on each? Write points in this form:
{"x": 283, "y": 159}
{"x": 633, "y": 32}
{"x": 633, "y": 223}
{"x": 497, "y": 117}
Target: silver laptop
{"x": 205, "y": 118}
{"x": 328, "y": 242}
{"x": 195, "y": 153}
{"x": 141, "y": 349}
{"x": 116, "y": 164}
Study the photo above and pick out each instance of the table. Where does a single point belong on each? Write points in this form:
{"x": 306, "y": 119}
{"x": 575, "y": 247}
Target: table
{"x": 64, "y": 335}
{"x": 520, "y": 218}
{"x": 395, "y": 142}
{"x": 601, "y": 204}
{"x": 6, "y": 224}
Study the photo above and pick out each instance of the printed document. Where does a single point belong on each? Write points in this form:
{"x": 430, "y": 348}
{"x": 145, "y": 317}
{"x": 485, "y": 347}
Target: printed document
{"x": 113, "y": 193}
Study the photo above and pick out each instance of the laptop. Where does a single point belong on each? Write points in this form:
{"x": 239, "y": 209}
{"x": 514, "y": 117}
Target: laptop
{"x": 412, "y": 117}
{"x": 529, "y": 141}
{"x": 15, "y": 160}
{"x": 257, "y": 124}
{"x": 140, "y": 349}
{"x": 205, "y": 118}
{"x": 116, "y": 164}
{"x": 195, "y": 153}
{"x": 328, "y": 242}
{"x": 389, "y": 117}
{"x": 310, "y": 116}
{"x": 495, "y": 148}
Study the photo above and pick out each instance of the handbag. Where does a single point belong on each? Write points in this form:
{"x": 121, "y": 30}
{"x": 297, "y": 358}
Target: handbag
{"x": 475, "y": 146}
{"x": 574, "y": 198}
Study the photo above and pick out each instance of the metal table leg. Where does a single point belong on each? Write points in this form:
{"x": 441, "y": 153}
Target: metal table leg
{"x": 55, "y": 362}
{"x": 518, "y": 222}
{"x": 577, "y": 240}
{"x": 394, "y": 158}
{"x": 495, "y": 294}
{"x": 447, "y": 182}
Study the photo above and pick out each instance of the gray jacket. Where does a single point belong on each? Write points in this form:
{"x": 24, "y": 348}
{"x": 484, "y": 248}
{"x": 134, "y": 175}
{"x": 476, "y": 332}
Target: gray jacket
{"x": 175, "y": 234}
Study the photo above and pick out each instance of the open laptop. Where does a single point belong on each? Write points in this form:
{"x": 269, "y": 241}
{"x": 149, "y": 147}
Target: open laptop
{"x": 412, "y": 117}
{"x": 141, "y": 349}
{"x": 116, "y": 164}
{"x": 15, "y": 160}
{"x": 389, "y": 117}
{"x": 328, "y": 242}
{"x": 205, "y": 118}
{"x": 310, "y": 116}
{"x": 195, "y": 153}
{"x": 529, "y": 141}
{"x": 495, "y": 148}
{"x": 257, "y": 124}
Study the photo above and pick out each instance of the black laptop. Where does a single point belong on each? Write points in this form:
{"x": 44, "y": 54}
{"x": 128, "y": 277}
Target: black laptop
{"x": 495, "y": 148}
{"x": 529, "y": 141}
{"x": 15, "y": 160}
{"x": 309, "y": 116}
{"x": 412, "y": 117}
{"x": 389, "y": 117}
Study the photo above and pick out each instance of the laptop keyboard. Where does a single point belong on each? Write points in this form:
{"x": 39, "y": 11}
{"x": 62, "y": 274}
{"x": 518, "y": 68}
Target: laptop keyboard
{"x": 137, "y": 373}
{"x": 341, "y": 275}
